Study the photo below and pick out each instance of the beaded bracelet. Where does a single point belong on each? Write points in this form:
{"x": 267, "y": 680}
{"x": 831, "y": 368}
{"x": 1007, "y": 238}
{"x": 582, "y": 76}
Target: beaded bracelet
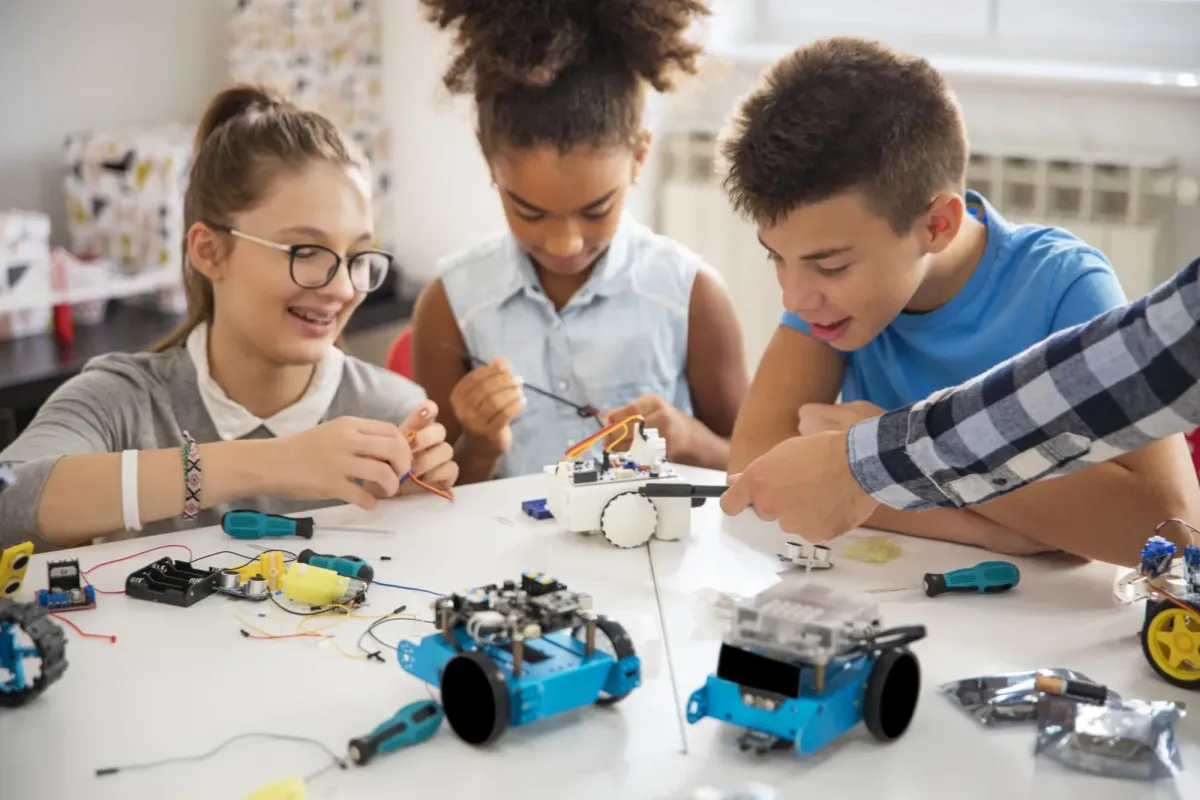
{"x": 191, "y": 476}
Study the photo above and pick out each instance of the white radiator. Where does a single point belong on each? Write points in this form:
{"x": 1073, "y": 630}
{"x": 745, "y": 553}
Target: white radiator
{"x": 1123, "y": 206}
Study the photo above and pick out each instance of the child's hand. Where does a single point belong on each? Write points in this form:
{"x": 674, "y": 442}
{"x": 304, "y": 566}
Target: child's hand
{"x": 672, "y": 424}
{"x": 339, "y": 460}
{"x": 823, "y": 417}
{"x": 486, "y": 400}
{"x": 433, "y": 457}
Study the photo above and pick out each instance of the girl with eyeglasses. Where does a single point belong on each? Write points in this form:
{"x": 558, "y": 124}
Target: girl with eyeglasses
{"x": 250, "y": 403}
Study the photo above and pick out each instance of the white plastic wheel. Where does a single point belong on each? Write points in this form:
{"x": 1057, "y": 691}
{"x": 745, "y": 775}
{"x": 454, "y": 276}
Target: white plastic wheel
{"x": 629, "y": 520}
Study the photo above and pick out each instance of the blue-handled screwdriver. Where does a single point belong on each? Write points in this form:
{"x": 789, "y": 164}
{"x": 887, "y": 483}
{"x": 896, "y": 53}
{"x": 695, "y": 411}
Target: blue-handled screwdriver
{"x": 248, "y": 524}
{"x": 986, "y": 577}
{"x": 350, "y": 566}
{"x": 413, "y": 724}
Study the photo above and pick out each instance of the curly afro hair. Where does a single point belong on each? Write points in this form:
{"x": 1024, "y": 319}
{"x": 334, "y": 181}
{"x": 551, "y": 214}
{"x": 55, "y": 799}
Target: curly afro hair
{"x": 564, "y": 72}
{"x": 842, "y": 114}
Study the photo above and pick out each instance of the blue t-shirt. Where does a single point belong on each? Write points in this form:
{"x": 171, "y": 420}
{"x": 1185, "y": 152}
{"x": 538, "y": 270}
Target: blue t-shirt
{"x": 1031, "y": 282}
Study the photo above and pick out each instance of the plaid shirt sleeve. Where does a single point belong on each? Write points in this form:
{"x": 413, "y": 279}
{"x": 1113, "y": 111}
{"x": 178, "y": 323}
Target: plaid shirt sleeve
{"x": 1083, "y": 396}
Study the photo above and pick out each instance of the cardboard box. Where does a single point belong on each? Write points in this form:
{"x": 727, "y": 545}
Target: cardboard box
{"x": 24, "y": 273}
{"x": 125, "y": 194}
{"x": 327, "y": 57}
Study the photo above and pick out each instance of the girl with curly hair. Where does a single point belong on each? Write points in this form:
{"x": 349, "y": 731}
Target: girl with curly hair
{"x": 576, "y": 299}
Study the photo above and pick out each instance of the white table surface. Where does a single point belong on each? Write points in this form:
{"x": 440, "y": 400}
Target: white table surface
{"x": 179, "y": 681}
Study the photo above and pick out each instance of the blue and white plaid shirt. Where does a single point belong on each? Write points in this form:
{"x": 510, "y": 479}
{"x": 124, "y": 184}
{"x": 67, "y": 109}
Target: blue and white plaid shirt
{"x": 1083, "y": 396}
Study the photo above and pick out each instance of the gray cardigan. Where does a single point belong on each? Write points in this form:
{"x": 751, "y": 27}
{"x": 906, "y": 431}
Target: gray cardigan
{"x": 143, "y": 401}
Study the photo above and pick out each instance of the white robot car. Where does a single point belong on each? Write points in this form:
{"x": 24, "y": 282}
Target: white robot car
{"x": 628, "y": 497}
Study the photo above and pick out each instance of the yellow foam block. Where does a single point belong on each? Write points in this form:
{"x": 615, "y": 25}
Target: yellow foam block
{"x": 286, "y": 789}
{"x": 872, "y": 550}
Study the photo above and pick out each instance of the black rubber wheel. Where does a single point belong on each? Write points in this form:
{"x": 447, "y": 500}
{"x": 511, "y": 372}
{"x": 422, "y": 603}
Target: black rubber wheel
{"x": 891, "y": 696}
{"x": 48, "y": 640}
{"x": 475, "y": 697}
{"x": 611, "y": 638}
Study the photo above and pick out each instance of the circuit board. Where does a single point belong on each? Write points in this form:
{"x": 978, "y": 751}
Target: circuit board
{"x": 65, "y": 589}
{"x": 495, "y": 613}
{"x": 590, "y": 471}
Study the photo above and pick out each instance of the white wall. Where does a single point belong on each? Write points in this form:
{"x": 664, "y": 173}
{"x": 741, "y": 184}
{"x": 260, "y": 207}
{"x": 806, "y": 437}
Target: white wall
{"x": 68, "y": 65}
{"x": 445, "y": 199}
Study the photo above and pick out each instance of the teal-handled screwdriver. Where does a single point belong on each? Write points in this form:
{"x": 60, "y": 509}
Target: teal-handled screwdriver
{"x": 249, "y": 524}
{"x": 350, "y": 566}
{"x": 986, "y": 577}
{"x": 413, "y": 724}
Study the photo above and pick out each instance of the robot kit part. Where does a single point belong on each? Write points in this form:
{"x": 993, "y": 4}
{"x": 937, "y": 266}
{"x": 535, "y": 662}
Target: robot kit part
{"x": 13, "y": 563}
{"x": 47, "y": 645}
{"x": 176, "y": 583}
{"x": 65, "y": 590}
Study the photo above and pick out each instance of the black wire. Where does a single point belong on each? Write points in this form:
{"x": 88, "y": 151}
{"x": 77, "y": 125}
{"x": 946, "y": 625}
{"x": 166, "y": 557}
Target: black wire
{"x": 336, "y": 759}
{"x": 249, "y": 559}
{"x": 370, "y": 631}
{"x": 583, "y": 411}
{"x": 316, "y": 609}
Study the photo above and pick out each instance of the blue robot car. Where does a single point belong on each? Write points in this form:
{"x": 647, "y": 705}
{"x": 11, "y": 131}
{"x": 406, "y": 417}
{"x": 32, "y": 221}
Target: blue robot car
{"x": 509, "y": 654}
{"x": 799, "y": 670}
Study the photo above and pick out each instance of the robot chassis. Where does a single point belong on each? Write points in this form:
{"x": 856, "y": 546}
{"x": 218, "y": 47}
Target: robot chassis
{"x": 509, "y": 654}
{"x": 48, "y": 645}
{"x": 1170, "y": 585}
{"x": 627, "y": 497}
{"x": 801, "y": 669}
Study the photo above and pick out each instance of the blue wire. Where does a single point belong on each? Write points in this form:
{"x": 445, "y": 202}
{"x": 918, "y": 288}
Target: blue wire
{"x": 407, "y": 588}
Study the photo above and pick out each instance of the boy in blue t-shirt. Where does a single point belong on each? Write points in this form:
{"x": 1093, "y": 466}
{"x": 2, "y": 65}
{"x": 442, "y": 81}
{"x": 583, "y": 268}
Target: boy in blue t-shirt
{"x": 898, "y": 282}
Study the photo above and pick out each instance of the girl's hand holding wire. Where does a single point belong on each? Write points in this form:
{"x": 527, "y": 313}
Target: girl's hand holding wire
{"x": 433, "y": 457}
{"x": 672, "y": 424}
{"x": 486, "y": 400}
{"x": 337, "y": 460}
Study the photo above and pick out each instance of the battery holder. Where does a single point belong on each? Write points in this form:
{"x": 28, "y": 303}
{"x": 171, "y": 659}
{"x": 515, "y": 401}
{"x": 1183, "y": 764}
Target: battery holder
{"x": 176, "y": 583}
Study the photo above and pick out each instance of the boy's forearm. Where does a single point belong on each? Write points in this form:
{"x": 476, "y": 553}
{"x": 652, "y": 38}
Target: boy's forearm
{"x": 1104, "y": 513}
{"x": 477, "y": 459}
{"x": 747, "y": 445}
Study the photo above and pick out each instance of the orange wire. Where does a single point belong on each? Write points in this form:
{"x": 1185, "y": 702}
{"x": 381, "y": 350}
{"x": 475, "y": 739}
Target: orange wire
{"x": 582, "y": 447}
{"x": 412, "y": 476}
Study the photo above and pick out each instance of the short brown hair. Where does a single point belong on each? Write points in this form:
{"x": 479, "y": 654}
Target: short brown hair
{"x": 843, "y": 114}
{"x": 565, "y": 72}
{"x": 247, "y": 134}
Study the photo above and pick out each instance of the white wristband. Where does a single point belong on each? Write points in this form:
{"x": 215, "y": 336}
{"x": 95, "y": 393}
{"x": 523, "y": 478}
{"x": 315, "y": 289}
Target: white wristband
{"x": 129, "y": 490}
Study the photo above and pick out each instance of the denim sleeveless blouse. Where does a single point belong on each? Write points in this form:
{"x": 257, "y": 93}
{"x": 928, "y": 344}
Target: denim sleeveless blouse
{"x": 622, "y": 335}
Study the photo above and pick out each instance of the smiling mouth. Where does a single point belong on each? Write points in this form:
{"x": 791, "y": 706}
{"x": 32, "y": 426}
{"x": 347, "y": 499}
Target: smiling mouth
{"x": 829, "y": 333}
{"x": 830, "y": 326}
{"x": 312, "y": 317}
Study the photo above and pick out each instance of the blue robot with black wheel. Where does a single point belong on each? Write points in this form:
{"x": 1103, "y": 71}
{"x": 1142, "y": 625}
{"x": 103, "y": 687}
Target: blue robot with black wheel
{"x": 509, "y": 654}
{"x": 800, "y": 669}
{"x": 28, "y": 638}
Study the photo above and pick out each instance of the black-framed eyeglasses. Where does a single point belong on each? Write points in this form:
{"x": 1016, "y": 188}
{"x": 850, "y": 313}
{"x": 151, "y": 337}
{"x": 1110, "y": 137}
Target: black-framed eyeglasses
{"x": 313, "y": 266}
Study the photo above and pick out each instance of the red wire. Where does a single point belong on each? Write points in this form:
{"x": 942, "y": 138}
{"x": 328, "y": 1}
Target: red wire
{"x": 84, "y": 574}
{"x": 80, "y": 631}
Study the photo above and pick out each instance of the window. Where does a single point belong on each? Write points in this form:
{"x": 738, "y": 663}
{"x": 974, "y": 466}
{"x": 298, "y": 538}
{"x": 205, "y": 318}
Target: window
{"x": 1104, "y": 34}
